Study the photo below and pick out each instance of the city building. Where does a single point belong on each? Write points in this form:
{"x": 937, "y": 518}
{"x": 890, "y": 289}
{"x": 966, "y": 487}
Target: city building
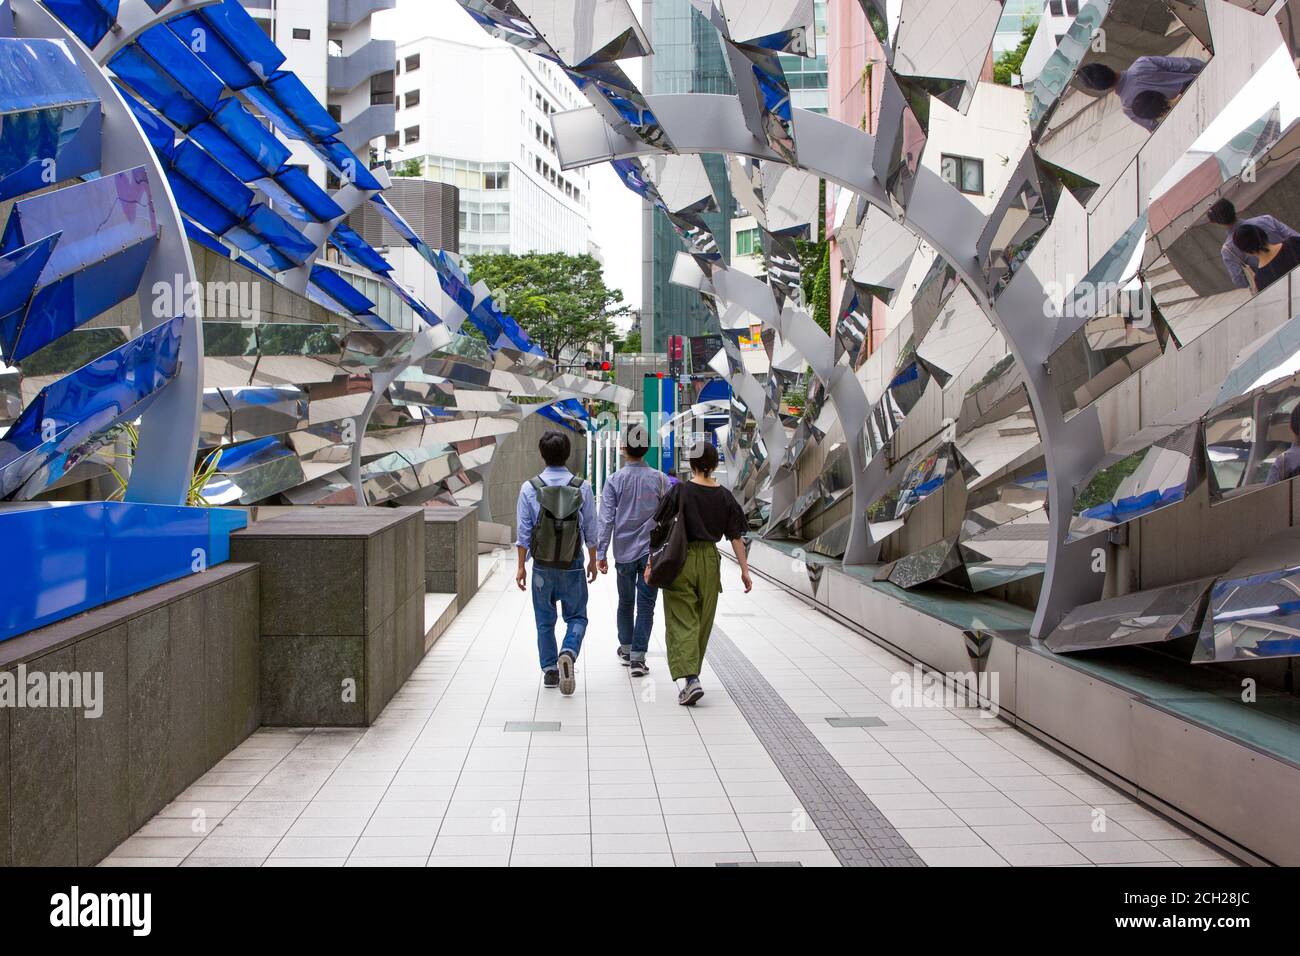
{"x": 1016, "y": 15}
{"x": 687, "y": 58}
{"x": 1053, "y": 21}
{"x": 432, "y": 210}
{"x": 855, "y": 70}
{"x": 513, "y": 196}
{"x": 747, "y": 246}
{"x": 331, "y": 48}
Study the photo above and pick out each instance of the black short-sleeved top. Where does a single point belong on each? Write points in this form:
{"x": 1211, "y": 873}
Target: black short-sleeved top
{"x": 1287, "y": 258}
{"x": 711, "y": 514}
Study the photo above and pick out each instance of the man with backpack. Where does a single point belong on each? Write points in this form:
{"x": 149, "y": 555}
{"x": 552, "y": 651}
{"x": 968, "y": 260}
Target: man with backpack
{"x": 556, "y": 515}
{"x": 627, "y": 514}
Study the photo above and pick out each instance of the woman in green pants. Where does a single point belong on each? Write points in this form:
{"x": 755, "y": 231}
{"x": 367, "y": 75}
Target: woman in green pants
{"x": 710, "y": 513}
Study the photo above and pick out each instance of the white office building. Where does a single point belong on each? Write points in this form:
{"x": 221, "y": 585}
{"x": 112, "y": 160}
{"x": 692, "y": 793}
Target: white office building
{"x": 477, "y": 115}
{"x": 329, "y": 45}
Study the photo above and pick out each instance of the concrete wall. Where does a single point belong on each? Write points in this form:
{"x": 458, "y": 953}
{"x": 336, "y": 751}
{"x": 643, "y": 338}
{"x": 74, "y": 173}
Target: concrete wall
{"x": 517, "y": 460}
{"x": 342, "y": 600}
{"x": 451, "y": 553}
{"x": 180, "y": 691}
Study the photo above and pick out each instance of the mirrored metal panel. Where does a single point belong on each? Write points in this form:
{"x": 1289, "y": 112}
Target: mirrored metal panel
{"x": 1143, "y": 617}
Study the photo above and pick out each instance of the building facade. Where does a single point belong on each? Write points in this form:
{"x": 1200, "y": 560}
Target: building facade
{"x": 492, "y": 141}
{"x": 687, "y": 58}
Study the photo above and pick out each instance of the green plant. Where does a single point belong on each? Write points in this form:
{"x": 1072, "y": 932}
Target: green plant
{"x": 1008, "y": 64}
{"x": 560, "y": 300}
{"x": 411, "y": 169}
{"x": 198, "y": 481}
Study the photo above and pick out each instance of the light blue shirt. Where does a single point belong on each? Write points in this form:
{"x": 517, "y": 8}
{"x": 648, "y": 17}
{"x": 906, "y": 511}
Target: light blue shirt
{"x": 627, "y": 510}
{"x": 527, "y": 510}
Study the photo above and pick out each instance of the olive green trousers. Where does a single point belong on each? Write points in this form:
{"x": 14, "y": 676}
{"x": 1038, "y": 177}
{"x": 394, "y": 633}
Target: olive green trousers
{"x": 690, "y": 603}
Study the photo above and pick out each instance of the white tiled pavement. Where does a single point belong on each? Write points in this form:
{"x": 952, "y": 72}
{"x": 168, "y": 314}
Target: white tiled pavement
{"x": 634, "y": 779}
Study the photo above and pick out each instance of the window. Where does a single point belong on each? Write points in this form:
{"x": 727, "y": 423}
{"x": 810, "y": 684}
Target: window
{"x": 748, "y": 243}
{"x": 1072, "y": 7}
{"x": 965, "y": 173}
{"x": 381, "y": 89}
{"x": 392, "y": 141}
{"x": 412, "y": 99}
{"x": 301, "y": 34}
{"x": 1057, "y": 7}
{"x": 496, "y": 180}
{"x": 412, "y": 62}
{"x": 412, "y": 135}
{"x": 336, "y": 112}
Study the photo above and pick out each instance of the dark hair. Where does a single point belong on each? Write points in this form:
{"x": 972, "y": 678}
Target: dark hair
{"x": 1250, "y": 239}
{"x": 636, "y": 442}
{"x": 555, "y": 448}
{"x": 1150, "y": 105}
{"x": 704, "y": 458}
{"x": 1097, "y": 76}
{"x": 1222, "y": 213}
{"x": 1295, "y": 420}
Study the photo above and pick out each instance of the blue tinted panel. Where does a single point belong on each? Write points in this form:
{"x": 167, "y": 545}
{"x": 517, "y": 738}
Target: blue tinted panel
{"x": 90, "y": 20}
{"x": 78, "y": 408}
{"x": 36, "y": 74}
{"x": 209, "y": 46}
{"x": 350, "y": 243}
{"x": 250, "y": 136}
{"x": 344, "y": 164}
{"x": 340, "y": 290}
{"x": 203, "y": 238}
{"x": 134, "y": 67}
{"x": 36, "y": 139}
{"x": 96, "y": 552}
{"x": 200, "y": 207}
{"x": 307, "y": 112}
{"x": 271, "y": 241}
{"x": 161, "y": 136}
{"x": 315, "y": 200}
{"x": 73, "y": 300}
{"x": 97, "y": 219}
{"x": 211, "y": 177}
{"x": 273, "y": 229}
{"x": 176, "y": 60}
{"x": 241, "y": 32}
{"x": 19, "y": 272}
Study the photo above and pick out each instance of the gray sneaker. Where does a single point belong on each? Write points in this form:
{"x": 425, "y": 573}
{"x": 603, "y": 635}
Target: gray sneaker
{"x": 691, "y": 693}
{"x": 638, "y": 668}
{"x": 568, "y": 683}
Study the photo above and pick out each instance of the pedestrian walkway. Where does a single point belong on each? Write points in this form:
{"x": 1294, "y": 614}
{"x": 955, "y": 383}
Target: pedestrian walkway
{"x": 794, "y": 757}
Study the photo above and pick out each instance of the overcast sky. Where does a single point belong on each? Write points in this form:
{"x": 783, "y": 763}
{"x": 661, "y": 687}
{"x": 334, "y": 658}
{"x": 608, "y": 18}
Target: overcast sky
{"x": 615, "y": 211}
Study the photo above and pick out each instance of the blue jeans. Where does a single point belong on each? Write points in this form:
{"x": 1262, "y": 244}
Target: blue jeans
{"x": 632, "y": 590}
{"x": 569, "y": 588}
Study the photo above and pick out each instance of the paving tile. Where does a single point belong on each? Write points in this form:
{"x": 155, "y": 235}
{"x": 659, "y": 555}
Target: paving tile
{"x": 1128, "y": 851}
{"x": 1042, "y": 854}
{"x": 755, "y": 776}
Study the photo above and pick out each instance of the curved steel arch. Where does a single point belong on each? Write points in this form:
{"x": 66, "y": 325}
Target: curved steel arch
{"x": 169, "y": 436}
{"x": 947, "y": 221}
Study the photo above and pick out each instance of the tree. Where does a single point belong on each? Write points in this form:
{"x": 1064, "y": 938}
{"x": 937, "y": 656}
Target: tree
{"x": 1009, "y": 64}
{"x": 560, "y": 300}
{"x": 631, "y": 344}
{"x": 411, "y": 169}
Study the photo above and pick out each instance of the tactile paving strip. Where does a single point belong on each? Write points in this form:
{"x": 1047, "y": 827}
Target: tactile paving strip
{"x": 855, "y": 829}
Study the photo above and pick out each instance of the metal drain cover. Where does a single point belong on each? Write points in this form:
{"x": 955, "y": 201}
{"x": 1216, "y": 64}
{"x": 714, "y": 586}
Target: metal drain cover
{"x": 855, "y": 722}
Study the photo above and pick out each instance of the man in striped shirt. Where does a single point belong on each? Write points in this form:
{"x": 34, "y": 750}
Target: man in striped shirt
{"x": 627, "y": 506}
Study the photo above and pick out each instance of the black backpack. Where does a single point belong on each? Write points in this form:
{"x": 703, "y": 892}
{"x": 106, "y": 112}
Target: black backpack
{"x": 557, "y": 536}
